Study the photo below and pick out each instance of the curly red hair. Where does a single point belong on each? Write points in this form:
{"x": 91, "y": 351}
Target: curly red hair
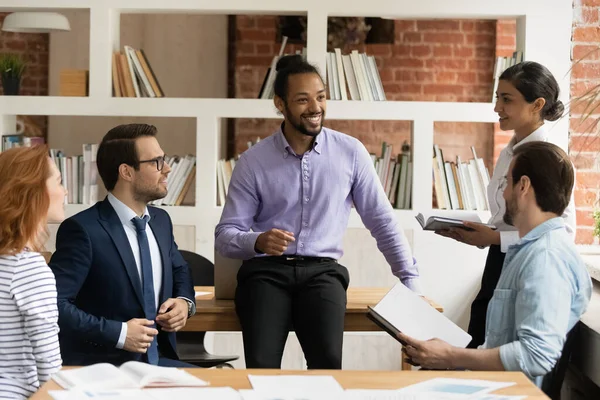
{"x": 24, "y": 198}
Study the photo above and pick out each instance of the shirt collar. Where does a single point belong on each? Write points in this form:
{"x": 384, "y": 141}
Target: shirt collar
{"x": 540, "y": 230}
{"x": 283, "y": 145}
{"x": 124, "y": 213}
{"x": 539, "y": 135}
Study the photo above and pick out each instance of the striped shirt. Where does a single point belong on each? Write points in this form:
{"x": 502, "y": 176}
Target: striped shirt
{"x": 29, "y": 349}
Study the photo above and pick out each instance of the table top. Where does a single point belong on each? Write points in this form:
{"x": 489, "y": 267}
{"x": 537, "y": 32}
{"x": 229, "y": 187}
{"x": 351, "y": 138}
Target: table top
{"x": 238, "y": 379}
{"x": 359, "y": 298}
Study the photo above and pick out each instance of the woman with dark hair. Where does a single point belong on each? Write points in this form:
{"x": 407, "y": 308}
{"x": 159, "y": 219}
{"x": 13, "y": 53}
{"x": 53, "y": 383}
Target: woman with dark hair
{"x": 32, "y": 195}
{"x": 527, "y": 96}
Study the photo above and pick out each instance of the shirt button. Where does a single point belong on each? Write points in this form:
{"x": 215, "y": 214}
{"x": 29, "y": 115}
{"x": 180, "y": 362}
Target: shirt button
{"x": 301, "y": 244}
{"x": 306, "y": 224}
{"x": 306, "y": 199}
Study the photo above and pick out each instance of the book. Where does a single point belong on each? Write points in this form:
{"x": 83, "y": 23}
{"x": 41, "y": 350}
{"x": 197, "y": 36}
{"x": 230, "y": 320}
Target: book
{"x": 402, "y": 310}
{"x": 130, "y": 375}
{"x": 440, "y": 222}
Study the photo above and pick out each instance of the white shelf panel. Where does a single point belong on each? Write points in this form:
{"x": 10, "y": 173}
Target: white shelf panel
{"x": 411, "y": 110}
{"x": 180, "y": 215}
{"x": 140, "y": 107}
{"x": 241, "y": 108}
{"x": 421, "y": 9}
{"x": 188, "y": 215}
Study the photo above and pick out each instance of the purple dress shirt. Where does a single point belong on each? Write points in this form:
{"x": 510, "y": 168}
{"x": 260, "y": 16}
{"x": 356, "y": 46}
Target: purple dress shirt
{"x": 310, "y": 195}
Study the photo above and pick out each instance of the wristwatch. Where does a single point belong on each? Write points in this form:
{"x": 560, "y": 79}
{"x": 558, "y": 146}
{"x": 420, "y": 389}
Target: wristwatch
{"x": 190, "y": 308}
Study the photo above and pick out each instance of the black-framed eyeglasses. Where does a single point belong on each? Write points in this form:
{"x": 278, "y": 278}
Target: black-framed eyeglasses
{"x": 160, "y": 162}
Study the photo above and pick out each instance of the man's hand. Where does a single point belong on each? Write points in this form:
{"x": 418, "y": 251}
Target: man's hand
{"x": 139, "y": 335}
{"x": 172, "y": 315}
{"x": 481, "y": 235}
{"x": 433, "y": 354}
{"x": 274, "y": 242}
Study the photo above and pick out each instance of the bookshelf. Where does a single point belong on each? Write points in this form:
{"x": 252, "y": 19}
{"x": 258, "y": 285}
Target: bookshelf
{"x": 543, "y": 35}
{"x": 534, "y": 38}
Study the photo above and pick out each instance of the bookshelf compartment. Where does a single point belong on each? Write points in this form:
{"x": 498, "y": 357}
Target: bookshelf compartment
{"x": 177, "y": 137}
{"x": 463, "y": 158}
{"x": 436, "y": 60}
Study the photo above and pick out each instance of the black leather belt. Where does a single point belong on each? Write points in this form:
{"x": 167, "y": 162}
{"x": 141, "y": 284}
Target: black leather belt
{"x": 288, "y": 258}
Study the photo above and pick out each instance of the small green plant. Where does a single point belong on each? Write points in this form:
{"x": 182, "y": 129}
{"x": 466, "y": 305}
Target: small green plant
{"x": 597, "y": 223}
{"x": 11, "y": 66}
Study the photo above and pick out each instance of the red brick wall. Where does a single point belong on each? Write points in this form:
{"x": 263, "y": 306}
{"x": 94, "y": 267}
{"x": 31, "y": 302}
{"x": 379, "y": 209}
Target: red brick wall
{"x": 450, "y": 60}
{"x": 506, "y": 44}
{"x": 34, "y": 48}
{"x": 584, "y": 140}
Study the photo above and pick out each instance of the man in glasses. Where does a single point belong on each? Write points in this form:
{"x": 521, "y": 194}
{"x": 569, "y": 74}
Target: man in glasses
{"x": 123, "y": 287}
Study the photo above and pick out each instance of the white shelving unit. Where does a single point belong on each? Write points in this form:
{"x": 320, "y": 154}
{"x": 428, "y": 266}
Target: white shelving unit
{"x": 543, "y": 34}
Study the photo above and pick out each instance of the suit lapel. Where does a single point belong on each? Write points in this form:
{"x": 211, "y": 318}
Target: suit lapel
{"x": 113, "y": 226}
{"x": 163, "y": 240}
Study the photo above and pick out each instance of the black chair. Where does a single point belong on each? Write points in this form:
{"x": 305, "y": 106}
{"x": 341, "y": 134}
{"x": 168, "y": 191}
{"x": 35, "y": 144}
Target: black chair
{"x": 190, "y": 345}
{"x": 553, "y": 381}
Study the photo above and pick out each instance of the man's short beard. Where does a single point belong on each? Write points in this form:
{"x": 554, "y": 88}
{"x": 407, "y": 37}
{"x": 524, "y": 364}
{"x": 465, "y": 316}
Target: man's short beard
{"x": 300, "y": 127}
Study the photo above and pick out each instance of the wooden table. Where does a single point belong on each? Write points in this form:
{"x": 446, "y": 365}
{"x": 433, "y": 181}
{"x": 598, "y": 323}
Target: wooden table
{"x": 219, "y": 315}
{"x": 238, "y": 379}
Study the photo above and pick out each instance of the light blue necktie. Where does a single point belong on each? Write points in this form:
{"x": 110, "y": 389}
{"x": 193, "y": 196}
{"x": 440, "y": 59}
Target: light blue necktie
{"x": 147, "y": 281}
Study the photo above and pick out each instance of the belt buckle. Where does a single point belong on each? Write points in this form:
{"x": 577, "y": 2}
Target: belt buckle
{"x": 294, "y": 258}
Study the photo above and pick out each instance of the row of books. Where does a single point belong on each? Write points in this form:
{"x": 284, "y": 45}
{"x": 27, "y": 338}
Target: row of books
{"x": 360, "y": 73}
{"x": 79, "y": 174}
{"x": 11, "y": 141}
{"x": 179, "y": 180}
{"x": 224, "y": 171}
{"x": 460, "y": 185}
{"x": 395, "y": 175}
{"x": 132, "y": 75}
{"x": 502, "y": 63}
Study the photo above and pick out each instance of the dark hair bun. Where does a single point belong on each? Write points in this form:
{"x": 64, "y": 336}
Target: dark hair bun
{"x": 286, "y": 61}
{"x": 555, "y": 111}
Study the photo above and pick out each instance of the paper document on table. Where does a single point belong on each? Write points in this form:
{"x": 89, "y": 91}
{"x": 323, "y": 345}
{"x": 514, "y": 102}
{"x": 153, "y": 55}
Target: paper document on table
{"x": 289, "y": 395}
{"x": 216, "y": 393}
{"x": 451, "y": 388}
{"x": 116, "y": 394}
{"x": 385, "y": 394}
{"x": 402, "y": 310}
{"x": 209, "y": 393}
{"x": 198, "y": 294}
{"x": 295, "y": 384}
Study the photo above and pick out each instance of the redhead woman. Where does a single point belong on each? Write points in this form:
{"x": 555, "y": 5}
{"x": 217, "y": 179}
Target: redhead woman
{"x": 32, "y": 195}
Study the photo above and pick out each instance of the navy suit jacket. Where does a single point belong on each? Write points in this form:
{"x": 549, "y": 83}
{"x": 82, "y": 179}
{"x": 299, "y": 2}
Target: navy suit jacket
{"x": 99, "y": 286}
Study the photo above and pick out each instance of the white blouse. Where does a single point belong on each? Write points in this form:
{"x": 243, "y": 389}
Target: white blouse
{"x": 509, "y": 234}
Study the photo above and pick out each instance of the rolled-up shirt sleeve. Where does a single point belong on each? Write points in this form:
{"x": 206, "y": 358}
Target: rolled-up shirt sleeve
{"x": 542, "y": 310}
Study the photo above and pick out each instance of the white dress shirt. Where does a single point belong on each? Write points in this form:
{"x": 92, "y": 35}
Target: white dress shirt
{"x": 126, "y": 214}
{"x": 509, "y": 234}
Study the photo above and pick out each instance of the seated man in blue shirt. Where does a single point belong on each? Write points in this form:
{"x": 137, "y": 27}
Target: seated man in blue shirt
{"x": 544, "y": 287}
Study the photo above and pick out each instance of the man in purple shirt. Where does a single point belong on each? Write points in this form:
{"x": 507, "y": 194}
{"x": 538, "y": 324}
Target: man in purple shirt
{"x": 286, "y": 213}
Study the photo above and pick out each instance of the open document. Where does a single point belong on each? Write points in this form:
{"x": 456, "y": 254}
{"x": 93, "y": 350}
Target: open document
{"x": 446, "y": 220}
{"x": 402, "y": 310}
{"x": 132, "y": 374}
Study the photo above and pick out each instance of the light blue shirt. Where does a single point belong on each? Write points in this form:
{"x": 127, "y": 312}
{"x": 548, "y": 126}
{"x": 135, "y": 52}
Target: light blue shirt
{"x": 311, "y": 195}
{"x": 543, "y": 290}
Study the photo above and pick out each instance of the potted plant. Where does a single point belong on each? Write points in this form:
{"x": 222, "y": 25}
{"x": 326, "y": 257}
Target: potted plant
{"x": 597, "y": 223}
{"x": 11, "y": 72}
